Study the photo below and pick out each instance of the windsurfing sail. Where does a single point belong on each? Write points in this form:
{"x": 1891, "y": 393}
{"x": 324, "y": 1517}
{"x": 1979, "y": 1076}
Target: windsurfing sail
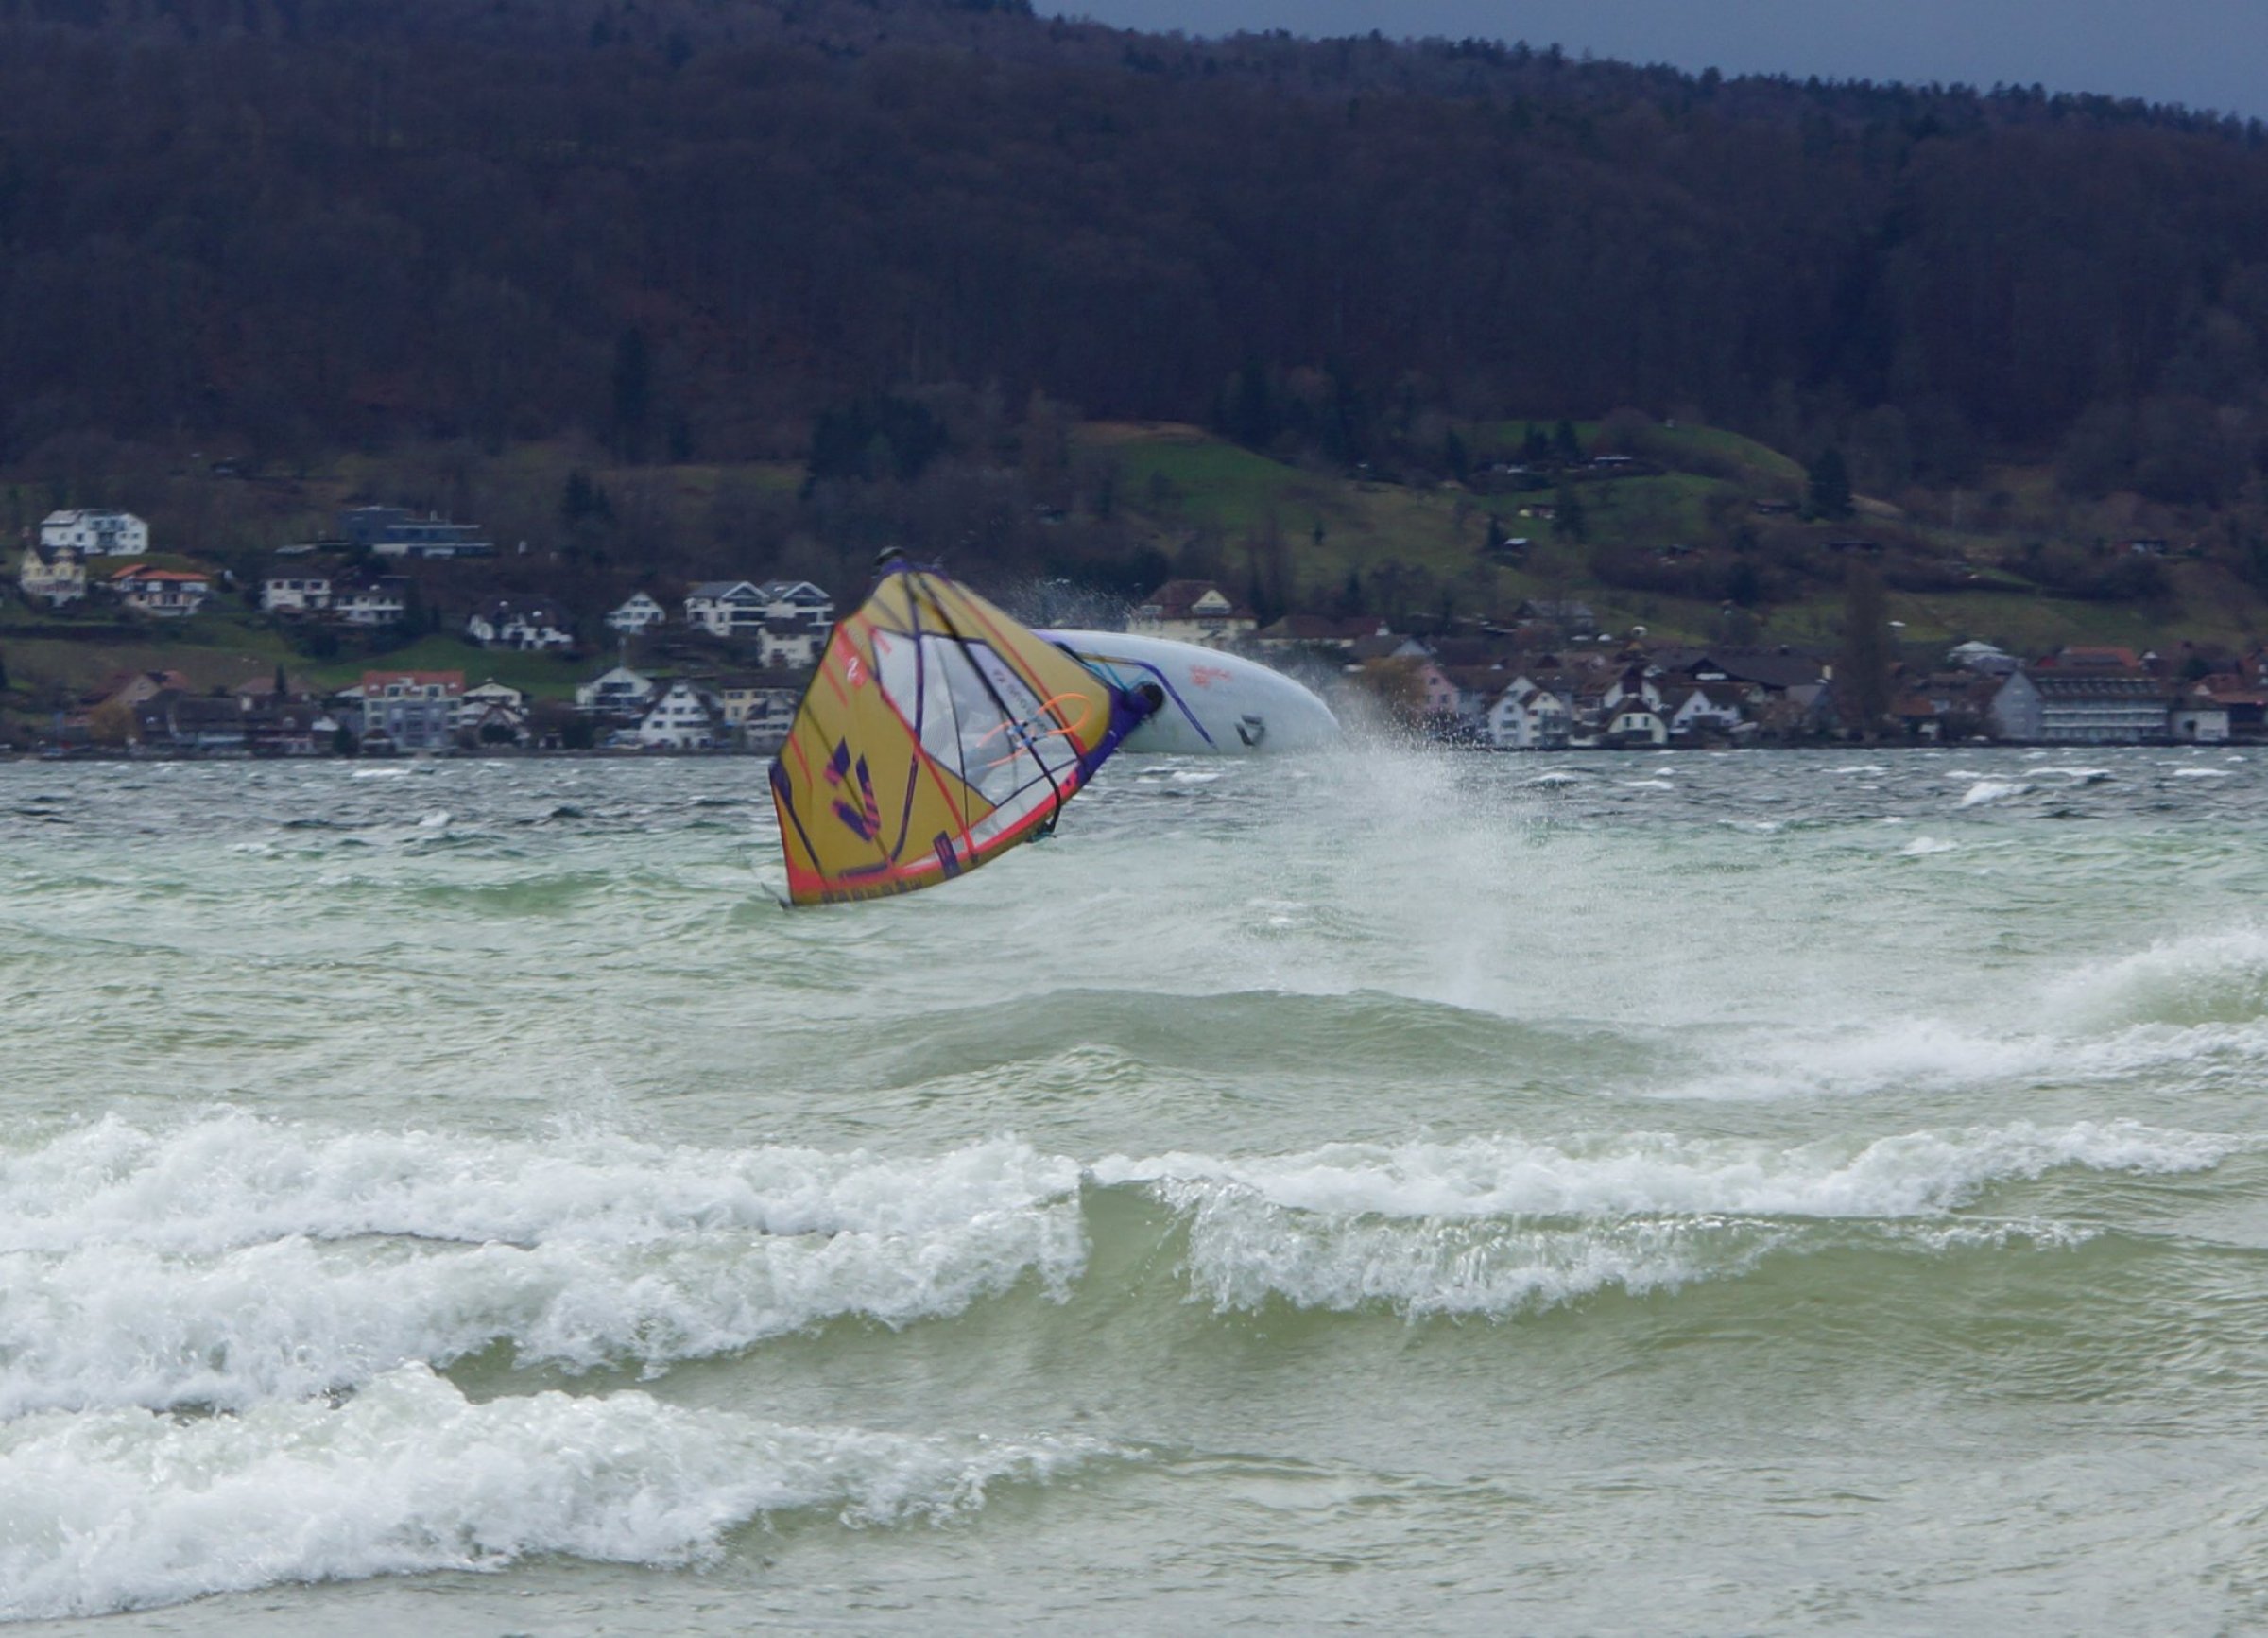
{"x": 937, "y": 734}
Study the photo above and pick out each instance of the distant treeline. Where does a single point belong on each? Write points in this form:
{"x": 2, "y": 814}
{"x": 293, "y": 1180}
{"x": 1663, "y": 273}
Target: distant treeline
{"x": 692, "y": 228}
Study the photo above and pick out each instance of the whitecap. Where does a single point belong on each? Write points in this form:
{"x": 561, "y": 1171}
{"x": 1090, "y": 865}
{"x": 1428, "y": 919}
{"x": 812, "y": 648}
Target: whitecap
{"x": 236, "y": 1262}
{"x": 1990, "y": 790}
{"x": 127, "y": 1509}
{"x": 1498, "y": 1226}
{"x": 1915, "y": 1174}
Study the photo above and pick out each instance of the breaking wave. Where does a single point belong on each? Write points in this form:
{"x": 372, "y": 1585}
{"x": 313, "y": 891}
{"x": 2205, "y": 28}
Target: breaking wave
{"x": 235, "y": 1261}
{"x": 1493, "y": 1226}
{"x": 126, "y": 1509}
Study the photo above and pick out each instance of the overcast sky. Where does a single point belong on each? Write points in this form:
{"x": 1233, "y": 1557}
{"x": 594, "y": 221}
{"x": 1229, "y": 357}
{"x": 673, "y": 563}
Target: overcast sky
{"x": 2205, "y": 53}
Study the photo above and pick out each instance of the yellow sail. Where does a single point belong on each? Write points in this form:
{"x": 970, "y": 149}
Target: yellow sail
{"x": 937, "y": 733}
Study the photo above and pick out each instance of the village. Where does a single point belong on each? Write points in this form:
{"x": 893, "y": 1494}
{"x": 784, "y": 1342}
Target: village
{"x": 720, "y": 668}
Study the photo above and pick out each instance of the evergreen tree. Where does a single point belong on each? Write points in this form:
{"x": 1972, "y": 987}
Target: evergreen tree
{"x": 283, "y": 690}
{"x": 632, "y": 387}
{"x": 1564, "y": 445}
{"x": 1460, "y": 464}
{"x": 1745, "y": 586}
{"x": 1251, "y": 419}
{"x": 1826, "y": 495}
{"x": 585, "y": 498}
{"x": 1535, "y": 449}
{"x": 3, "y": 674}
{"x": 1863, "y": 670}
{"x": 1567, "y": 521}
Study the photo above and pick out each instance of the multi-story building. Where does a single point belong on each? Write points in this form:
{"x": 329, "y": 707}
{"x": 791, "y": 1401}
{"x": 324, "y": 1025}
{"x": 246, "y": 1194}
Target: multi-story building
{"x": 97, "y": 533}
{"x": 296, "y": 591}
{"x": 2048, "y": 706}
{"x": 398, "y": 532}
{"x": 415, "y": 710}
{"x": 760, "y": 708}
{"x": 725, "y": 609}
{"x": 54, "y": 576}
{"x": 686, "y": 718}
{"x": 1193, "y": 612}
{"x": 637, "y": 614}
{"x": 371, "y": 600}
{"x": 620, "y": 692}
{"x": 169, "y": 594}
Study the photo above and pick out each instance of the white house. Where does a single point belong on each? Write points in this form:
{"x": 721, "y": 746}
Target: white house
{"x": 1633, "y": 684}
{"x": 797, "y": 619}
{"x": 53, "y": 575}
{"x": 1634, "y": 722}
{"x": 685, "y": 718}
{"x": 1528, "y": 717}
{"x": 476, "y": 704}
{"x": 296, "y": 592}
{"x": 617, "y": 693}
{"x": 2200, "y": 719}
{"x": 636, "y": 616}
{"x": 1700, "y": 709}
{"x": 1193, "y": 612}
{"x": 169, "y": 594}
{"x": 790, "y": 646}
{"x": 724, "y": 608}
{"x": 760, "y": 708}
{"x": 97, "y": 533}
{"x": 416, "y": 709}
{"x": 525, "y": 624}
{"x": 381, "y": 600}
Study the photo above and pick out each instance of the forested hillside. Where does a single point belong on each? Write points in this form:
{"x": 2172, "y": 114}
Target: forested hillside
{"x": 688, "y": 227}
{"x": 660, "y": 290}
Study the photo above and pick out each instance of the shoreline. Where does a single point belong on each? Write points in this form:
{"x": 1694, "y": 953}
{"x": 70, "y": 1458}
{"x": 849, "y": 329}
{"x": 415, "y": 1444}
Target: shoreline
{"x": 10, "y": 758}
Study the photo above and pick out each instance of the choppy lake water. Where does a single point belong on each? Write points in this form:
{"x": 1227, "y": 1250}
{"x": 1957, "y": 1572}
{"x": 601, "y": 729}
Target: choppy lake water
{"x": 1757, "y": 1192}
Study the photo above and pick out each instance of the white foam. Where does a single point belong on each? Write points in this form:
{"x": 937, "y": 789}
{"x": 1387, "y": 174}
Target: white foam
{"x": 1917, "y": 1174}
{"x": 2221, "y": 974}
{"x": 228, "y": 1178}
{"x": 126, "y": 1509}
{"x": 2201, "y": 774}
{"x": 1925, "y": 847}
{"x": 1241, "y": 1257}
{"x": 1990, "y": 790}
{"x": 236, "y": 1261}
{"x": 1500, "y": 1225}
{"x": 1928, "y": 1053}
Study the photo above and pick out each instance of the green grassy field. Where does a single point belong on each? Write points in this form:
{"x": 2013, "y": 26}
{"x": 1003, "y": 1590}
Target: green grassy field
{"x": 542, "y": 676}
{"x": 227, "y": 649}
{"x": 1199, "y": 498}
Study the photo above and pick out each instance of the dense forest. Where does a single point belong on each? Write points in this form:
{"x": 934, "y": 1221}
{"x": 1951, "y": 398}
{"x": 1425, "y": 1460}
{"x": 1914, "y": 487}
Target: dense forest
{"x": 713, "y": 227}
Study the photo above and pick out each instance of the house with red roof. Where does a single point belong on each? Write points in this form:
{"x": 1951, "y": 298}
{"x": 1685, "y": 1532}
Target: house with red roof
{"x": 1193, "y": 612}
{"x": 169, "y": 594}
